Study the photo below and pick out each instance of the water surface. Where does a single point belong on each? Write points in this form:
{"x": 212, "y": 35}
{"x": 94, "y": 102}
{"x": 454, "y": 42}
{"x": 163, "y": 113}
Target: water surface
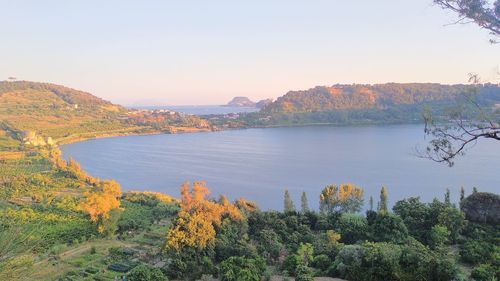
{"x": 203, "y": 109}
{"x": 259, "y": 164}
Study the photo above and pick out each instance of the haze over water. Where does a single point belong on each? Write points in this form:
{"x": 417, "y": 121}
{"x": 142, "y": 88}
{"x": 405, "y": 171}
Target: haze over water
{"x": 259, "y": 164}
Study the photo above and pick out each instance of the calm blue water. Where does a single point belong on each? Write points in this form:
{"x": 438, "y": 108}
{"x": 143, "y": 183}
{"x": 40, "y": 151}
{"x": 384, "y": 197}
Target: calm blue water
{"x": 203, "y": 109}
{"x": 259, "y": 164}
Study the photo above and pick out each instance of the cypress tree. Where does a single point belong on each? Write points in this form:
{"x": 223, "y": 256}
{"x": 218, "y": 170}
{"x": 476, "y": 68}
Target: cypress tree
{"x": 447, "y": 197}
{"x": 303, "y": 203}
{"x": 288, "y": 203}
{"x": 383, "y": 201}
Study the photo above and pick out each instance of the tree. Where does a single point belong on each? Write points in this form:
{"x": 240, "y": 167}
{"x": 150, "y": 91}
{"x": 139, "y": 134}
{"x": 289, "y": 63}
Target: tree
{"x": 439, "y": 236}
{"x": 242, "y": 269}
{"x": 99, "y": 202}
{"x": 146, "y": 273}
{"x": 389, "y": 228}
{"x": 482, "y": 207}
{"x": 462, "y": 194}
{"x": 447, "y": 197}
{"x": 343, "y": 198}
{"x": 483, "y": 13}
{"x": 198, "y": 217}
{"x": 305, "y": 253}
{"x": 352, "y": 228}
{"x": 303, "y": 273}
{"x": 382, "y": 208}
{"x": 371, "y": 203}
{"x": 484, "y": 272}
{"x": 303, "y": 203}
{"x": 288, "y": 202}
{"x": 416, "y": 216}
{"x": 470, "y": 122}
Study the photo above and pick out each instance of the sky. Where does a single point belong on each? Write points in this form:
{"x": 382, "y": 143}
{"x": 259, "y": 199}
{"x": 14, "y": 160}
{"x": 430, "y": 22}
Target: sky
{"x": 206, "y": 52}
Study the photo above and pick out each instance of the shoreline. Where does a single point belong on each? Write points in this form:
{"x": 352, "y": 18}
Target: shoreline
{"x": 186, "y": 130}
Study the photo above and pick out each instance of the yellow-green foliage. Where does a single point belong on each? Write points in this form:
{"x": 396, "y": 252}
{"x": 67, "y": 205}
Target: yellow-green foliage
{"x": 145, "y": 197}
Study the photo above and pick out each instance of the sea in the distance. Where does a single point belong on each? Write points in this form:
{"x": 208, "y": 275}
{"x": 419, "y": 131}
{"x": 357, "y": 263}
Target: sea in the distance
{"x": 259, "y": 164}
{"x": 202, "y": 109}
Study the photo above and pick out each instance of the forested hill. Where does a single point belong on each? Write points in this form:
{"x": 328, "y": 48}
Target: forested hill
{"x": 34, "y": 112}
{"x": 378, "y": 96}
{"x": 60, "y": 94}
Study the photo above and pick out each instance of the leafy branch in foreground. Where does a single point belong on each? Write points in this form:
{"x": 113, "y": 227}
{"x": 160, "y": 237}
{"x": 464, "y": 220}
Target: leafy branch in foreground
{"x": 16, "y": 251}
{"x": 468, "y": 122}
{"x": 483, "y": 13}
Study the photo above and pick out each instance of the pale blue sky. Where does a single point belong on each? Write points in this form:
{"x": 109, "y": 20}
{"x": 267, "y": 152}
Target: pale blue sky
{"x": 205, "y": 52}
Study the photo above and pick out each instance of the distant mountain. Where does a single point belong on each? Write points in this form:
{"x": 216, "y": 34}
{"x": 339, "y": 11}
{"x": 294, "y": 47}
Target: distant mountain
{"x": 263, "y": 103}
{"x": 241, "y": 102}
{"x": 378, "y": 96}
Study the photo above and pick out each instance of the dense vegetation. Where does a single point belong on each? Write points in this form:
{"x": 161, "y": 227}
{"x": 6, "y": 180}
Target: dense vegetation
{"x": 59, "y": 223}
{"x": 367, "y": 104}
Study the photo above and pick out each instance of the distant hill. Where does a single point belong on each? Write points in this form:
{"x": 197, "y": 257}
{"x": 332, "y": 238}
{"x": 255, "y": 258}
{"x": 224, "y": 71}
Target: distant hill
{"x": 36, "y": 111}
{"x": 379, "y": 96}
{"x": 241, "y": 102}
{"x": 357, "y": 104}
{"x": 263, "y": 103}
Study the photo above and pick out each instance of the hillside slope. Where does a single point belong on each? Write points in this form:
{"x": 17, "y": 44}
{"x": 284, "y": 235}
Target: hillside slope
{"x": 34, "y": 112}
{"x": 378, "y": 96}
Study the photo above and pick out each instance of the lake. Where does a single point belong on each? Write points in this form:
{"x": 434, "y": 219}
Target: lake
{"x": 259, "y": 164}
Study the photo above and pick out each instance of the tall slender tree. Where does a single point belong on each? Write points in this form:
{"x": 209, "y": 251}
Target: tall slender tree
{"x": 383, "y": 201}
{"x": 288, "y": 203}
{"x": 371, "y": 203}
{"x": 462, "y": 194}
{"x": 447, "y": 197}
{"x": 303, "y": 203}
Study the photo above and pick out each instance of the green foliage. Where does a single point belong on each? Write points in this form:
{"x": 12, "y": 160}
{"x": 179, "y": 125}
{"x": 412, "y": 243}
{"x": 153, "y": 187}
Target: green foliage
{"x": 146, "y": 273}
{"x": 482, "y": 207}
{"x": 321, "y": 262}
{"x": 416, "y": 217}
{"x": 352, "y": 228}
{"x": 484, "y": 272}
{"x": 304, "y": 205}
{"x": 389, "y": 228}
{"x": 303, "y": 273}
{"x": 476, "y": 252}
{"x": 242, "y": 269}
{"x": 16, "y": 246}
{"x": 382, "y": 208}
{"x": 439, "y": 236}
{"x": 305, "y": 253}
{"x": 288, "y": 203}
{"x": 269, "y": 243}
{"x": 231, "y": 240}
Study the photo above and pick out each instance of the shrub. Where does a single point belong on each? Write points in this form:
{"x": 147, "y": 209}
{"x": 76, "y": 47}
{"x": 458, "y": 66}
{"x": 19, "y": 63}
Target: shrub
{"x": 352, "y": 228}
{"x": 389, "y": 228}
{"x": 303, "y": 273}
{"x": 242, "y": 269}
{"x": 483, "y": 272}
{"x": 146, "y": 273}
{"x": 475, "y": 252}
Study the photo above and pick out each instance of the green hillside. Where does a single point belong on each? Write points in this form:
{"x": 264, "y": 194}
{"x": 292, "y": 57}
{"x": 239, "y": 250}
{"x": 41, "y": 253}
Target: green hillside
{"x": 389, "y": 103}
{"x": 33, "y": 112}
{"x": 379, "y": 96}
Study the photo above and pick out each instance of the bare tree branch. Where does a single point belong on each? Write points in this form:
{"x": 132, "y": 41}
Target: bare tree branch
{"x": 481, "y": 12}
{"x": 466, "y": 124}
